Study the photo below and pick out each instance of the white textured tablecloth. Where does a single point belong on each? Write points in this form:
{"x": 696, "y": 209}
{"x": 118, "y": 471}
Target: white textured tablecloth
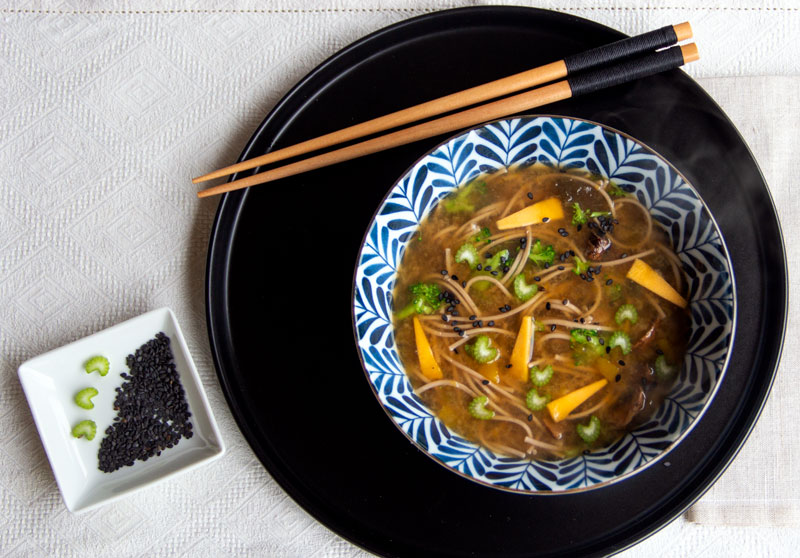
{"x": 107, "y": 110}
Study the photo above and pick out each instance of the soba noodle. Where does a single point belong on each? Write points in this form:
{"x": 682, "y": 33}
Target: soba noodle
{"x": 568, "y": 276}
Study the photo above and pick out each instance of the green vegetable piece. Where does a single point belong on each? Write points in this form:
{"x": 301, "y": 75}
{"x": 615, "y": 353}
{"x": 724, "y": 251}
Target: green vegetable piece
{"x": 477, "y": 408}
{"x": 580, "y": 266}
{"x": 485, "y": 234}
{"x": 620, "y": 339}
{"x": 664, "y": 370}
{"x": 538, "y": 326}
{"x": 589, "y": 432}
{"x": 626, "y": 312}
{"x": 579, "y": 216}
{"x": 85, "y": 428}
{"x": 586, "y": 346}
{"x": 541, "y": 377}
{"x": 97, "y": 364}
{"x": 424, "y": 300}
{"x": 542, "y": 255}
{"x": 613, "y": 292}
{"x": 523, "y": 290}
{"x": 84, "y": 398}
{"x": 468, "y": 254}
{"x": 496, "y": 262}
{"x": 615, "y": 191}
{"x": 482, "y": 349}
{"x": 464, "y": 198}
{"x": 536, "y": 402}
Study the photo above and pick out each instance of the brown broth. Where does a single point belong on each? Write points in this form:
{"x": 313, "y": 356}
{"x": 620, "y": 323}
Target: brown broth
{"x": 634, "y": 390}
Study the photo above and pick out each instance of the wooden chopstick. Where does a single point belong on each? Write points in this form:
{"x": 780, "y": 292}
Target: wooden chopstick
{"x": 596, "y": 57}
{"x": 583, "y": 83}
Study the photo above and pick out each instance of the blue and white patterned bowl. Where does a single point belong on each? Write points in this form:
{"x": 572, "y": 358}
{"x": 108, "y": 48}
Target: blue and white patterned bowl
{"x": 562, "y": 143}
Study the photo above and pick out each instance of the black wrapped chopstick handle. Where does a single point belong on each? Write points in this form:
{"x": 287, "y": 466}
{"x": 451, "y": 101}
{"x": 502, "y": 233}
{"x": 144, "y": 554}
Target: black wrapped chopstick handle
{"x": 627, "y": 70}
{"x": 621, "y": 49}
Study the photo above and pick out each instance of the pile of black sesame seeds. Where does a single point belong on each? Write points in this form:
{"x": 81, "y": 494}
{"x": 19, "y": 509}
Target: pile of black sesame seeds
{"x": 152, "y": 412}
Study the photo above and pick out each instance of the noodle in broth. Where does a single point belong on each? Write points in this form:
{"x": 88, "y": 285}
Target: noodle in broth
{"x": 590, "y": 285}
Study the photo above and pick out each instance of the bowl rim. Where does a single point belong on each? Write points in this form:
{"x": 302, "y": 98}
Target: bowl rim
{"x": 617, "y": 478}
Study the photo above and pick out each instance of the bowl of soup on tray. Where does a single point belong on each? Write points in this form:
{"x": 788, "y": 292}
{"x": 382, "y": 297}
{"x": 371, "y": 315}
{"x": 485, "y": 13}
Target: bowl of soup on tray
{"x": 544, "y": 304}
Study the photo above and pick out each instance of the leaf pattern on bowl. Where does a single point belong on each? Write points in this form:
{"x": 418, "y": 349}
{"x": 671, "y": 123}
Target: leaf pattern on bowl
{"x": 561, "y": 143}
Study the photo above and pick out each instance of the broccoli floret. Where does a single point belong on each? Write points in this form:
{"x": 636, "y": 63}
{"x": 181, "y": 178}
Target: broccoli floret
{"x": 496, "y": 262}
{"x": 586, "y": 345}
{"x": 484, "y": 234}
{"x": 615, "y": 191}
{"x": 581, "y": 217}
{"x": 580, "y": 266}
{"x": 425, "y": 300}
{"x": 464, "y": 198}
{"x": 542, "y": 255}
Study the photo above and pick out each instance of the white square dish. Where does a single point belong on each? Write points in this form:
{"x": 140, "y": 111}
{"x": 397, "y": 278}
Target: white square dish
{"x": 51, "y": 380}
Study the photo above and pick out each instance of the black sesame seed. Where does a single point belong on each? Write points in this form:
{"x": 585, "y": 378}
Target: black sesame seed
{"x": 583, "y": 276}
{"x": 617, "y": 378}
{"x": 508, "y": 366}
{"x": 530, "y": 195}
{"x": 572, "y": 253}
{"x": 475, "y": 324}
{"x": 547, "y": 306}
{"x": 553, "y": 327}
{"x": 608, "y": 350}
{"x": 464, "y": 284}
{"x": 454, "y": 312}
{"x": 609, "y": 281}
{"x": 530, "y": 418}
{"x": 505, "y": 269}
{"x": 565, "y": 301}
{"x": 472, "y": 317}
{"x": 545, "y": 219}
{"x": 495, "y": 273}
{"x": 624, "y": 256}
{"x": 659, "y": 352}
{"x": 590, "y": 278}
{"x": 454, "y": 277}
{"x": 487, "y": 268}
{"x": 560, "y": 268}
{"x": 491, "y": 323}
{"x": 485, "y": 382}
{"x": 445, "y": 317}
{"x": 152, "y": 413}
{"x": 450, "y": 308}
{"x": 583, "y": 321}
{"x": 443, "y": 272}
{"x": 523, "y": 241}
{"x": 507, "y": 307}
{"x": 537, "y": 278}
{"x": 601, "y": 341}
{"x": 480, "y": 323}
{"x": 479, "y": 267}
{"x": 455, "y": 351}
{"x": 502, "y": 309}
{"x": 546, "y": 265}
{"x": 487, "y": 255}
{"x": 621, "y": 362}
{"x": 579, "y": 227}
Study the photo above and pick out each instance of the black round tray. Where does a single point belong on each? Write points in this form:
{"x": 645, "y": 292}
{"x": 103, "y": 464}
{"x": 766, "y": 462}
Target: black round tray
{"x": 279, "y": 280}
